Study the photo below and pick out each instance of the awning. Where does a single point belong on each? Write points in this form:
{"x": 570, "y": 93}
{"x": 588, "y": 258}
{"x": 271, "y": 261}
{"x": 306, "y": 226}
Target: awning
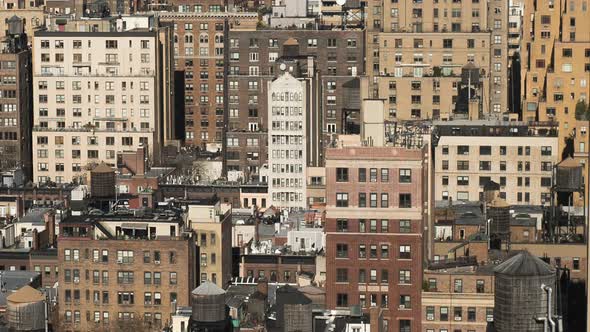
{"x": 141, "y": 226}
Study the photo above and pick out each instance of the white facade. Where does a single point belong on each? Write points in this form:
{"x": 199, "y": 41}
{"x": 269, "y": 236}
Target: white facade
{"x": 95, "y": 95}
{"x": 287, "y": 142}
{"x": 520, "y": 164}
{"x": 308, "y": 239}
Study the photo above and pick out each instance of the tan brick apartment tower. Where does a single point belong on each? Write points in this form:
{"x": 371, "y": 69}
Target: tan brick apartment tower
{"x": 555, "y": 71}
{"x": 98, "y": 93}
{"x": 374, "y": 226}
{"x": 123, "y": 272}
{"x": 418, "y": 48}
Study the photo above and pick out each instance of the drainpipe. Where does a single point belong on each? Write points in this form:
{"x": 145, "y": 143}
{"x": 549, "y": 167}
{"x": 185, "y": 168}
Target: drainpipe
{"x": 549, "y": 318}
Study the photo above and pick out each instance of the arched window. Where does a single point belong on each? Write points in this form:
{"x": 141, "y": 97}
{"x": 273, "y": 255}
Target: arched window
{"x": 188, "y": 39}
{"x": 204, "y": 39}
{"x": 219, "y": 39}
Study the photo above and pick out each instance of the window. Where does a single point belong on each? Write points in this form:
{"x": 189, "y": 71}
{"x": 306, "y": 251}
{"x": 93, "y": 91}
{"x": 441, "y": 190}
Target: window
{"x": 485, "y": 150}
{"x": 362, "y": 200}
{"x": 462, "y": 180}
{"x": 384, "y": 175}
{"x": 384, "y": 251}
{"x": 362, "y": 175}
{"x": 373, "y": 175}
{"x": 463, "y": 150}
{"x": 362, "y": 251}
{"x": 341, "y": 174}
{"x": 124, "y": 256}
{"x": 458, "y": 286}
{"x": 405, "y": 276}
{"x": 341, "y": 300}
{"x": 444, "y": 314}
{"x": 373, "y": 200}
{"x": 342, "y": 199}
{"x": 341, "y": 250}
{"x": 405, "y": 252}
{"x": 405, "y": 302}
{"x": 480, "y": 286}
{"x": 405, "y": 175}
{"x": 404, "y": 226}
{"x": 462, "y": 165}
{"x": 471, "y": 314}
{"x": 342, "y": 225}
{"x": 458, "y": 313}
{"x": 384, "y": 200}
{"x": 341, "y": 275}
{"x": 373, "y": 276}
{"x": 405, "y": 200}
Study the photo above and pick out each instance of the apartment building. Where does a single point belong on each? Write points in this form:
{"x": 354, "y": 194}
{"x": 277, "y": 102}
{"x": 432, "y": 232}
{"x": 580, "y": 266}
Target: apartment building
{"x": 100, "y": 93}
{"x": 200, "y": 66}
{"x": 253, "y": 62}
{"x": 519, "y": 157}
{"x": 555, "y": 71}
{"x": 16, "y": 106}
{"x": 374, "y": 231}
{"x": 123, "y": 271}
{"x": 211, "y": 222}
{"x": 457, "y": 297}
{"x": 427, "y": 64}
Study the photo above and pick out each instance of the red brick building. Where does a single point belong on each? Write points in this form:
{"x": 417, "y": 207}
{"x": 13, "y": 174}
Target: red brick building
{"x": 374, "y": 231}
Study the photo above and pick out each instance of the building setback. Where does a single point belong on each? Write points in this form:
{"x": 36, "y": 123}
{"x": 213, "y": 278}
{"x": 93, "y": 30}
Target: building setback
{"x": 555, "y": 69}
{"x": 458, "y": 297}
{"x": 97, "y": 94}
{"x": 211, "y": 222}
{"x": 374, "y": 231}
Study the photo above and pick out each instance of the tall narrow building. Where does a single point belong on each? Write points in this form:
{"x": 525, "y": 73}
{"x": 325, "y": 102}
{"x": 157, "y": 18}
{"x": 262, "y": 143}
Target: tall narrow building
{"x": 200, "y": 69}
{"x": 98, "y": 93}
{"x": 16, "y": 105}
{"x": 287, "y": 140}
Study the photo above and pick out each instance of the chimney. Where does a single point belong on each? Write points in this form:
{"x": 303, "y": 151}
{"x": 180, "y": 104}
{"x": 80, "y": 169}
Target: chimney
{"x": 35, "y": 245}
{"x": 140, "y": 166}
{"x": 262, "y": 286}
{"x": 49, "y": 217}
{"x": 20, "y": 207}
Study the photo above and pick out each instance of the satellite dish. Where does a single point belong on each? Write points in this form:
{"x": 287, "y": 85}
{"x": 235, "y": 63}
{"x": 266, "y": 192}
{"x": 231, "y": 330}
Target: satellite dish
{"x": 284, "y": 66}
{"x": 340, "y": 2}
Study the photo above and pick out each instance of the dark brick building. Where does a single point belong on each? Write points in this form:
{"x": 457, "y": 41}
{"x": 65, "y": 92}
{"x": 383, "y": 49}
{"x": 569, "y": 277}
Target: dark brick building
{"x": 200, "y": 66}
{"x": 374, "y": 231}
{"x": 339, "y": 59}
{"x": 16, "y": 106}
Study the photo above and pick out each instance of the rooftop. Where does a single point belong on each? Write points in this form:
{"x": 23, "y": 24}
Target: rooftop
{"x": 494, "y": 128}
